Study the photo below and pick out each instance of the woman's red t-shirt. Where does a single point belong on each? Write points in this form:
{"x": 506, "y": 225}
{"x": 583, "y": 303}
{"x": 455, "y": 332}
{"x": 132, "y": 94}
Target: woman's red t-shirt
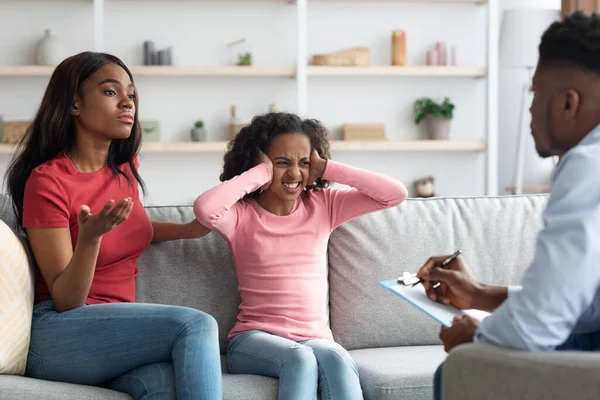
{"x": 54, "y": 194}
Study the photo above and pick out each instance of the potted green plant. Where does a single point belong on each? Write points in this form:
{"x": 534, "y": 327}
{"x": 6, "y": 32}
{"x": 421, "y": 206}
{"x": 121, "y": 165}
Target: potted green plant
{"x": 437, "y": 116}
{"x": 245, "y": 59}
{"x": 198, "y": 131}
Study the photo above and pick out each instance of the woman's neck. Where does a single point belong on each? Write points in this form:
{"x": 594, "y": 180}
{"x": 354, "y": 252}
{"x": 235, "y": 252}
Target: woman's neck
{"x": 274, "y": 205}
{"x": 87, "y": 154}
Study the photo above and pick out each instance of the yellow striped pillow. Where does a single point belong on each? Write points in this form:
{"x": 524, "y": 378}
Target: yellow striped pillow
{"x": 16, "y": 302}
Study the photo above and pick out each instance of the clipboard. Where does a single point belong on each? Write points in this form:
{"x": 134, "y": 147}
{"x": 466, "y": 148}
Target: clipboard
{"x": 417, "y": 297}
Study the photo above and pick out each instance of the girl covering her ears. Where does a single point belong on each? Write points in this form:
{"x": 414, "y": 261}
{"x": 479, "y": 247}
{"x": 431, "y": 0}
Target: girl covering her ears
{"x": 276, "y": 211}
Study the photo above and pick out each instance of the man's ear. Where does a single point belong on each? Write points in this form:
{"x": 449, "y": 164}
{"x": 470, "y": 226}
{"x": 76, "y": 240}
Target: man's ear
{"x": 76, "y": 106}
{"x": 572, "y": 101}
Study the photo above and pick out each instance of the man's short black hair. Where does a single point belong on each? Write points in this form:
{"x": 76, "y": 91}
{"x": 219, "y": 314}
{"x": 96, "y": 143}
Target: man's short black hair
{"x": 575, "y": 40}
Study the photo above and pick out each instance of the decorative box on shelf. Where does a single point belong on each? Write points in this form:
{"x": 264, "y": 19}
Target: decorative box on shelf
{"x": 357, "y": 56}
{"x": 371, "y": 132}
{"x": 12, "y": 131}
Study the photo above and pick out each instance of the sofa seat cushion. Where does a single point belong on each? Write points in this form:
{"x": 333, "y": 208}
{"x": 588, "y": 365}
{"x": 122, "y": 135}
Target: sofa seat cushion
{"x": 21, "y": 388}
{"x": 398, "y": 373}
{"x": 235, "y": 387}
{"x": 247, "y": 387}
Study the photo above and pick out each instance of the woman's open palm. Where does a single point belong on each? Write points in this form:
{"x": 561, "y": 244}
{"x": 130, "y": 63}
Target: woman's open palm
{"x": 93, "y": 226}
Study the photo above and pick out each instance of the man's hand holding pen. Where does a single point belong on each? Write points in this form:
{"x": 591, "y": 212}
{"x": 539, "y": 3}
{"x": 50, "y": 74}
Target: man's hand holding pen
{"x": 452, "y": 284}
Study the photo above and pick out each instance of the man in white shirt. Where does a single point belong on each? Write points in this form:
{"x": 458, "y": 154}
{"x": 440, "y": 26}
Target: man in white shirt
{"x": 558, "y": 305}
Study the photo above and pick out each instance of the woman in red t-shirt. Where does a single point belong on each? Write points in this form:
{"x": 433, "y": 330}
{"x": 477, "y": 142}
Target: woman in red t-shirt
{"x": 74, "y": 183}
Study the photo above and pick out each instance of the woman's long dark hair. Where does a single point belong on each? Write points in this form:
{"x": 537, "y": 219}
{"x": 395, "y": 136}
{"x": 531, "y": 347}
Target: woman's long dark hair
{"x": 52, "y": 129}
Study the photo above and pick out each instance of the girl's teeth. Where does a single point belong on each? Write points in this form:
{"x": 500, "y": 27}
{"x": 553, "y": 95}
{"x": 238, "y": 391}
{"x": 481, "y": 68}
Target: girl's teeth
{"x": 291, "y": 185}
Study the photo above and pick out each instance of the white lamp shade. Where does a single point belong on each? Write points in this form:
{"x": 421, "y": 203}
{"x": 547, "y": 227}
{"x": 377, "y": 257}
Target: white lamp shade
{"x": 521, "y": 33}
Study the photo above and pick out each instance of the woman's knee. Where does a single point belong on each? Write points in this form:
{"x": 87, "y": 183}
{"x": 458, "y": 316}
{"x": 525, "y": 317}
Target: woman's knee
{"x": 196, "y": 322}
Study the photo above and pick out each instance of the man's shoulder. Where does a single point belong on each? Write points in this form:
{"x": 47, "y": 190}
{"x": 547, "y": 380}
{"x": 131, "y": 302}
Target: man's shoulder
{"x": 576, "y": 183}
{"x": 580, "y": 164}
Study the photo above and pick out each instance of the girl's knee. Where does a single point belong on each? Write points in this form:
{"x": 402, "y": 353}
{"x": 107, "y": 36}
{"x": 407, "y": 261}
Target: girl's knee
{"x": 334, "y": 358}
{"x": 300, "y": 358}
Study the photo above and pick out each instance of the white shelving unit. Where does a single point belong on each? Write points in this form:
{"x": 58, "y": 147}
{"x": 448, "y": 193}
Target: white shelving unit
{"x": 302, "y": 71}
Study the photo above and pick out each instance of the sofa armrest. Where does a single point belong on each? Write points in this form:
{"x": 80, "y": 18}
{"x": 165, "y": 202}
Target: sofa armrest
{"x": 480, "y": 371}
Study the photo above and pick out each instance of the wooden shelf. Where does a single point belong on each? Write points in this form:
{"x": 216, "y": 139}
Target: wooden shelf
{"x": 318, "y": 1}
{"x": 530, "y": 189}
{"x": 174, "y": 71}
{"x": 432, "y": 71}
{"x": 25, "y": 70}
{"x": 156, "y": 71}
{"x": 336, "y": 145}
{"x": 284, "y": 72}
{"x": 400, "y": 1}
{"x": 314, "y": 1}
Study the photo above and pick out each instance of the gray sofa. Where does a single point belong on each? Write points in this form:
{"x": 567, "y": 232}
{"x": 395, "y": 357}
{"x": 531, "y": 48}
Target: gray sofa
{"x": 395, "y": 346}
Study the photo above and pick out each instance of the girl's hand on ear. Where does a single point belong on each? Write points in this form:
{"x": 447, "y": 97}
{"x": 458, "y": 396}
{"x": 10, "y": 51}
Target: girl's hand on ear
{"x": 263, "y": 158}
{"x": 317, "y": 167}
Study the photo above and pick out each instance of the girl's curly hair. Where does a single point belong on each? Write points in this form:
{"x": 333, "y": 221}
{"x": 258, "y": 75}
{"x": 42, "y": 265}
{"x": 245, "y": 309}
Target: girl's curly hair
{"x": 243, "y": 151}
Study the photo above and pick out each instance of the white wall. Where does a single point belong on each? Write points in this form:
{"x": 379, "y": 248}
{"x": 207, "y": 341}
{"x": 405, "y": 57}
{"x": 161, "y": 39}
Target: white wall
{"x": 199, "y": 33}
{"x": 537, "y": 170}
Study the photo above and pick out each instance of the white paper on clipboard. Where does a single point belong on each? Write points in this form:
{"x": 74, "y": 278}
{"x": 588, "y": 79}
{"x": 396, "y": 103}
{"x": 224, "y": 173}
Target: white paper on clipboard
{"x": 440, "y": 312}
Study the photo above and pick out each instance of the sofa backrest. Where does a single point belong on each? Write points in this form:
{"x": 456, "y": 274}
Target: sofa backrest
{"x": 196, "y": 273}
{"x": 496, "y": 235}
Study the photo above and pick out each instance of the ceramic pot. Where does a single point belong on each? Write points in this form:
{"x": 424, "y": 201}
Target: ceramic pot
{"x": 438, "y": 128}
{"x": 198, "y": 134}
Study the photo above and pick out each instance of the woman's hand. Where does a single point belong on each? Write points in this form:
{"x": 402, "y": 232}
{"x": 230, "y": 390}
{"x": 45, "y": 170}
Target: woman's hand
{"x": 93, "y": 226}
{"x": 197, "y": 230}
{"x": 263, "y": 158}
{"x": 317, "y": 167}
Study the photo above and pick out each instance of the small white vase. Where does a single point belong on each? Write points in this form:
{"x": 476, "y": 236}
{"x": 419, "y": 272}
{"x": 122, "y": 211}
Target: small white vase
{"x": 49, "y": 49}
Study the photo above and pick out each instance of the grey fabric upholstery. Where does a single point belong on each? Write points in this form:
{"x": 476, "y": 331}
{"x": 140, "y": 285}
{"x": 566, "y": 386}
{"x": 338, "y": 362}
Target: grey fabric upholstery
{"x": 20, "y": 388}
{"x": 194, "y": 273}
{"x": 398, "y": 373}
{"x": 479, "y": 371}
{"x": 496, "y": 234}
{"x": 6, "y": 212}
{"x": 396, "y": 348}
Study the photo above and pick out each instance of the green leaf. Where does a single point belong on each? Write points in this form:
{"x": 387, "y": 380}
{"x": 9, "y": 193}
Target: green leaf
{"x": 425, "y": 106}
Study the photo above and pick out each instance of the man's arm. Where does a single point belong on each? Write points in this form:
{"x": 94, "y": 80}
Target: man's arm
{"x": 563, "y": 278}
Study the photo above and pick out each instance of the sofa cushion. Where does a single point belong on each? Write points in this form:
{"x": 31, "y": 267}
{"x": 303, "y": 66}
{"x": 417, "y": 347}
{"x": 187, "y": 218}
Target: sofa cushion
{"x": 16, "y": 302}
{"x": 496, "y": 234}
{"x": 6, "y": 211}
{"x": 196, "y": 273}
{"x": 20, "y": 388}
{"x": 398, "y": 373}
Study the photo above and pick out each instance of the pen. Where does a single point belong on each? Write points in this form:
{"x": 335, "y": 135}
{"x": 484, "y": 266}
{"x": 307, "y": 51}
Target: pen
{"x": 440, "y": 265}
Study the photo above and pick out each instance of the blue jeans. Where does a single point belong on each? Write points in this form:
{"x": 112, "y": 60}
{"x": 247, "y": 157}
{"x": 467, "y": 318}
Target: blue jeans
{"x": 148, "y": 351}
{"x": 577, "y": 341}
{"x": 301, "y": 367}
